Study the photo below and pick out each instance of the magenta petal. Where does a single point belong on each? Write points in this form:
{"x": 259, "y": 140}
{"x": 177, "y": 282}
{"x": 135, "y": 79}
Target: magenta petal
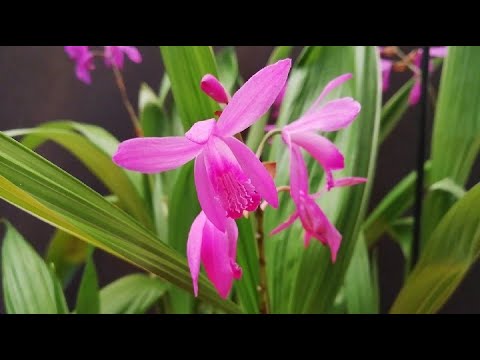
{"x": 322, "y": 149}
{"x": 317, "y": 225}
{"x": 334, "y": 115}
{"x": 438, "y": 51}
{"x": 328, "y": 88}
{"x": 200, "y": 131}
{"x": 254, "y": 98}
{"x": 285, "y": 224}
{"x": 194, "y": 248}
{"x": 206, "y": 195}
{"x": 154, "y": 155}
{"x": 415, "y": 93}
{"x": 386, "y": 71}
{"x": 214, "y": 88}
{"x": 132, "y": 53}
{"x": 349, "y": 181}
{"x": 254, "y": 169}
{"x": 76, "y": 52}
{"x": 298, "y": 174}
{"x": 215, "y": 255}
{"x": 113, "y": 56}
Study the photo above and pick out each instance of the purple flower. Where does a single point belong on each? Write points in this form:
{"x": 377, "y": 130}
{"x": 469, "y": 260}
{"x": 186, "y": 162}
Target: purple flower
{"x": 386, "y": 66}
{"x": 313, "y": 219}
{"x": 214, "y": 88}
{"x": 228, "y": 176}
{"x": 83, "y": 62}
{"x": 331, "y": 116}
{"x": 217, "y": 251}
{"x": 114, "y": 55}
{"x": 435, "y": 51}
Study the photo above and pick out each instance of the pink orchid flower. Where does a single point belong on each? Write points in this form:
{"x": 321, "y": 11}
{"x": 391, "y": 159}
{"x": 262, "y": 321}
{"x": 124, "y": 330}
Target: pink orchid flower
{"x": 228, "y": 176}
{"x": 386, "y": 67}
{"x": 331, "y": 116}
{"x": 313, "y": 219}
{"x": 217, "y": 251}
{"x": 83, "y": 62}
{"x": 114, "y": 55}
{"x": 435, "y": 51}
{"x": 211, "y": 86}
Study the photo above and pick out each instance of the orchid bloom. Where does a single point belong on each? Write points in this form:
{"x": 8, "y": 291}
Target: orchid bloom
{"x": 217, "y": 251}
{"x": 114, "y": 55}
{"x": 83, "y": 62}
{"x": 228, "y": 176}
{"x": 313, "y": 219}
{"x": 386, "y": 67}
{"x": 435, "y": 51}
{"x": 211, "y": 86}
{"x": 331, "y": 116}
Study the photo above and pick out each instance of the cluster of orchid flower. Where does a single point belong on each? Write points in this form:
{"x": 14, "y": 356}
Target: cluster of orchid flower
{"x": 412, "y": 61}
{"x": 83, "y": 57}
{"x": 230, "y": 178}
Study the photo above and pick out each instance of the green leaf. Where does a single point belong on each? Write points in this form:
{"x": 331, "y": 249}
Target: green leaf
{"x": 228, "y": 68}
{"x": 88, "y": 298}
{"x": 247, "y": 258}
{"x": 67, "y": 253}
{"x": 35, "y": 185}
{"x": 361, "y": 288}
{"x": 394, "y": 109}
{"x": 95, "y": 155}
{"x": 401, "y": 232}
{"x": 445, "y": 259}
{"x": 392, "y": 206}
{"x": 185, "y": 66}
{"x": 164, "y": 89}
{"x": 290, "y": 265}
{"x": 28, "y": 285}
{"x": 279, "y": 53}
{"x": 152, "y": 116}
{"x": 450, "y": 187}
{"x": 456, "y": 130}
{"x": 183, "y": 209}
{"x": 132, "y": 294}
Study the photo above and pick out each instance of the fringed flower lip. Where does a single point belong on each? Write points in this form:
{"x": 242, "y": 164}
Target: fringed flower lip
{"x": 228, "y": 176}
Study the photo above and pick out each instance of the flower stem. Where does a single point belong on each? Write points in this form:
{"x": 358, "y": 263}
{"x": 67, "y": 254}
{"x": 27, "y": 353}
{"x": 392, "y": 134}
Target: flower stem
{"x": 265, "y": 139}
{"x": 126, "y": 102}
{"x": 263, "y": 286}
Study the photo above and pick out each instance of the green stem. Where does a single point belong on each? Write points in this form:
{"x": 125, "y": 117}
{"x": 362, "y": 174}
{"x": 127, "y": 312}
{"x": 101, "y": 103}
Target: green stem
{"x": 265, "y": 139}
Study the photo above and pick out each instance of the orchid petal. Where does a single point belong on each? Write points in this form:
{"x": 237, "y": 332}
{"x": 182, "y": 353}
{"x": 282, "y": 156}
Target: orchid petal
{"x": 298, "y": 174}
{"x": 232, "y": 185}
{"x": 386, "y": 71}
{"x": 438, "y": 51}
{"x": 216, "y": 259}
{"x": 194, "y": 248}
{"x": 113, "y": 56}
{"x": 349, "y": 181}
{"x": 132, "y": 53}
{"x": 214, "y": 88}
{"x": 154, "y": 155}
{"x": 415, "y": 93}
{"x": 206, "y": 195}
{"x": 322, "y": 149}
{"x": 285, "y": 224}
{"x": 253, "y": 99}
{"x": 200, "y": 131}
{"x": 328, "y": 88}
{"x": 232, "y": 237}
{"x": 76, "y": 52}
{"x": 317, "y": 224}
{"x": 254, "y": 169}
{"x": 334, "y": 115}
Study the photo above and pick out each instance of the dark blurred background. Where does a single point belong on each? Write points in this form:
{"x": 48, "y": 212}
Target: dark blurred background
{"x": 37, "y": 84}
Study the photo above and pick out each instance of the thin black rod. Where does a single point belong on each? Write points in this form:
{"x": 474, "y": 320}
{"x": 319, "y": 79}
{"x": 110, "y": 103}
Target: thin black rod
{"x": 421, "y": 150}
